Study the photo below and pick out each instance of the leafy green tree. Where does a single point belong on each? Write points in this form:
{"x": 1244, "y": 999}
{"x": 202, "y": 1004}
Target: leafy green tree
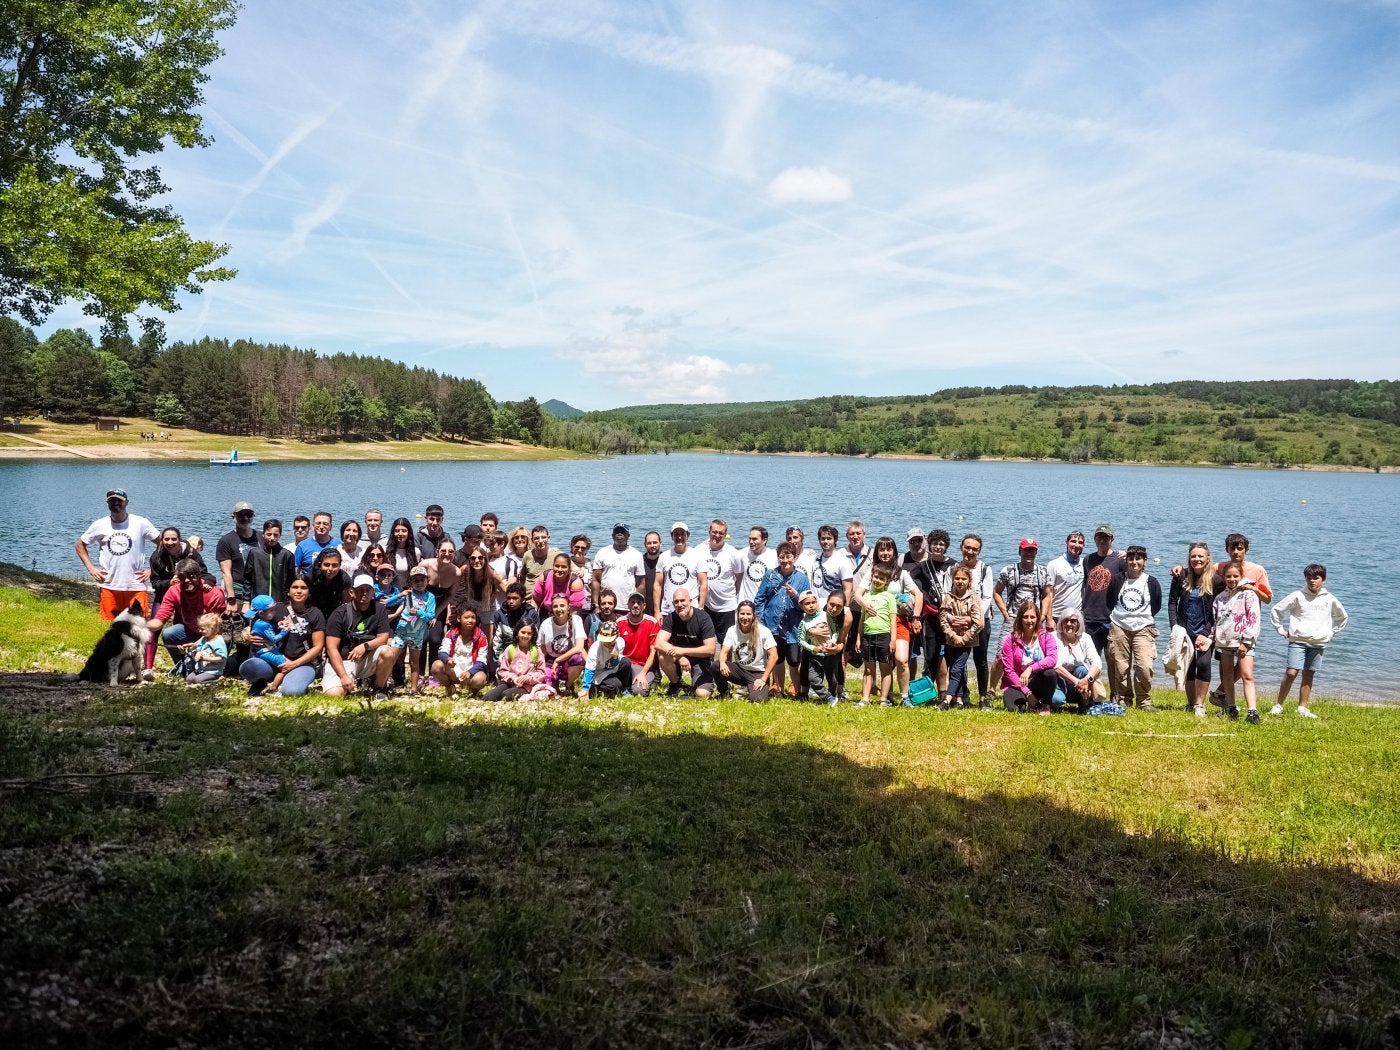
{"x": 376, "y": 416}
{"x": 469, "y": 411}
{"x": 531, "y": 419}
{"x": 316, "y": 411}
{"x": 413, "y": 421}
{"x": 19, "y": 392}
{"x": 506, "y": 423}
{"x": 85, "y": 90}
{"x": 73, "y": 383}
{"x": 168, "y": 410}
{"x": 271, "y": 415}
{"x": 121, "y": 387}
{"x": 350, "y": 408}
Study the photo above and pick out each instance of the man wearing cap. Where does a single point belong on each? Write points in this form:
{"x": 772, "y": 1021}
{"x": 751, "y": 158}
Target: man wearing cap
{"x": 680, "y": 567}
{"x": 1025, "y": 581}
{"x": 354, "y": 634}
{"x": 1067, "y": 577}
{"x": 122, "y": 569}
{"x": 618, "y": 569}
{"x": 1101, "y": 568}
{"x": 234, "y": 553}
{"x": 638, "y": 632}
{"x": 758, "y": 559}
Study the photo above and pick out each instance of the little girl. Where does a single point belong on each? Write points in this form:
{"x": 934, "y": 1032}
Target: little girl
{"x": 521, "y": 669}
{"x": 462, "y": 659}
{"x": 1236, "y": 631}
{"x": 961, "y": 617}
{"x": 419, "y": 608}
{"x": 210, "y": 653}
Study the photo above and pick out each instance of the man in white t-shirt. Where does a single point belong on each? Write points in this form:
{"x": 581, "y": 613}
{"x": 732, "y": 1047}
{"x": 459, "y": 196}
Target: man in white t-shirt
{"x": 1067, "y": 577}
{"x": 758, "y": 559}
{"x": 724, "y": 569}
{"x": 618, "y": 568}
{"x": 680, "y": 567}
{"x": 122, "y": 570}
{"x": 831, "y": 570}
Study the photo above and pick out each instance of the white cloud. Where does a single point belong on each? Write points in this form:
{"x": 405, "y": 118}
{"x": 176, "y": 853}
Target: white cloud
{"x": 650, "y": 364}
{"x": 307, "y": 222}
{"x": 809, "y": 185}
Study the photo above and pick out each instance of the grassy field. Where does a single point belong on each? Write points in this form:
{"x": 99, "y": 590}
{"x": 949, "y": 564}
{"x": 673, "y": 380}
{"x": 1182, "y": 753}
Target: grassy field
{"x": 192, "y": 444}
{"x": 183, "y": 867}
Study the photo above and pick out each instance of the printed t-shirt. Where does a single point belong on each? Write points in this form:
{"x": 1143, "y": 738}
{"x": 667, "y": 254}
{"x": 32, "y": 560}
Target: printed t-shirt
{"x": 1134, "y": 609}
{"x": 556, "y": 639}
{"x": 720, "y": 568}
{"x": 299, "y": 627}
{"x": 1099, "y": 572}
{"x": 1066, "y": 585}
{"x": 754, "y": 568}
{"x": 829, "y": 574}
{"x": 692, "y": 633}
{"x": 676, "y": 571}
{"x": 638, "y": 638}
{"x": 123, "y": 549}
{"x": 237, "y": 551}
{"x": 745, "y": 654}
{"x": 354, "y": 628}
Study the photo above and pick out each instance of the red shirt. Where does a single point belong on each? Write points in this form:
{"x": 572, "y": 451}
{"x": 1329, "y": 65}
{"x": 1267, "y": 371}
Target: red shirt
{"x": 182, "y": 608}
{"x": 638, "y": 639}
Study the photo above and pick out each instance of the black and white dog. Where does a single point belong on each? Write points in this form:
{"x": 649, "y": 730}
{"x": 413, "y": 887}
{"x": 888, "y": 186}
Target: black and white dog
{"x": 118, "y": 653}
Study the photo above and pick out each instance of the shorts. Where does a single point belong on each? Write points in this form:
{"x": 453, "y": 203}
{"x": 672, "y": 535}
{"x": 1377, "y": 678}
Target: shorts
{"x": 901, "y": 629}
{"x": 1304, "y": 657}
{"x": 1198, "y": 665}
{"x": 876, "y": 647}
{"x": 358, "y": 670}
{"x": 114, "y": 602}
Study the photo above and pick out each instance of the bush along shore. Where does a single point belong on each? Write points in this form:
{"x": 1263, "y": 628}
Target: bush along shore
{"x": 187, "y": 866}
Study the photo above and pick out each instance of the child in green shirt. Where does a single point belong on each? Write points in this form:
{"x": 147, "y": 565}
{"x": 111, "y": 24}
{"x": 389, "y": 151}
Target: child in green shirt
{"x": 875, "y": 629}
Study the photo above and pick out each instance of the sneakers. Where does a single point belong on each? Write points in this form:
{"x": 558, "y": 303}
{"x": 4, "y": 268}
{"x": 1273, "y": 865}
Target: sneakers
{"x": 984, "y": 705}
{"x": 1252, "y": 718}
{"x": 1217, "y": 698}
{"x": 1277, "y": 709}
{"x": 890, "y": 703}
{"x": 1233, "y": 712}
{"x": 148, "y": 675}
{"x": 1200, "y": 710}
{"x": 1146, "y": 705}
{"x": 832, "y": 700}
{"x": 859, "y": 703}
{"x": 1303, "y": 712}
{"x": 380, "y": 696}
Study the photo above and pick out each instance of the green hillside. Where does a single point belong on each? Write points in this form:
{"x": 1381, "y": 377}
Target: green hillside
{"x": 1277, "y": 423}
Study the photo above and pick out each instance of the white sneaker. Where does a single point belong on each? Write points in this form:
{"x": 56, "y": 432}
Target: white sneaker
{"x": 1277, "y": 709}
{"x": 1200, "y": 711}
{"x": 1303, "y": 712}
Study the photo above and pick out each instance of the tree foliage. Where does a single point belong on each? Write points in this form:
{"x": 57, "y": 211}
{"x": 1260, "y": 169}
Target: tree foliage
{"x": 86, "y": 89}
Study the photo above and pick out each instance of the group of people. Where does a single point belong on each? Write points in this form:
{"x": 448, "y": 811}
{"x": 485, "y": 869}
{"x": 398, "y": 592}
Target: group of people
{"x": 502, "y": 614}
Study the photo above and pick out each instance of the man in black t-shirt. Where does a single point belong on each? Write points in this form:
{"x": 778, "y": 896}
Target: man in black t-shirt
{"x": 687, "y": 643}
{"x": 1100, "y": 570}
{"x": 232, "y": 555}
{"x": 353, "y": 633}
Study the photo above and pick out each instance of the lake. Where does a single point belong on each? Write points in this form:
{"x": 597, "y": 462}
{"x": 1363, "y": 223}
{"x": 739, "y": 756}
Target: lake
{"x": 1291, "y": 517}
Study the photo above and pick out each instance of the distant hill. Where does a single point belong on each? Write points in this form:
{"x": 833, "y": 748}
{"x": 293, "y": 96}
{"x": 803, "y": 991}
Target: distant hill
{"x": 1333, "y": 422}
{"x": 561, "y": 410}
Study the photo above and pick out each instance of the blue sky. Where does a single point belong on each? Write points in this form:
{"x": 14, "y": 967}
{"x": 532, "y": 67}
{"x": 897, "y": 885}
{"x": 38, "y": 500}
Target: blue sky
{"x": 615, "y": 203}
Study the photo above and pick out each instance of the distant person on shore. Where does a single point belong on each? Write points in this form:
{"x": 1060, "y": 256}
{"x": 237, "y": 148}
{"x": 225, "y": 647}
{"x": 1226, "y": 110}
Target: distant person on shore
{"x": 121, "y": 571}
{"x": 1314, "y": 616}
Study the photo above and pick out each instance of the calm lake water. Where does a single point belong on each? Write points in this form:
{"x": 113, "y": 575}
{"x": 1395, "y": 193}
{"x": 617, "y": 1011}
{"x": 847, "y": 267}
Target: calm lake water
{"x": 1292, "y": 518}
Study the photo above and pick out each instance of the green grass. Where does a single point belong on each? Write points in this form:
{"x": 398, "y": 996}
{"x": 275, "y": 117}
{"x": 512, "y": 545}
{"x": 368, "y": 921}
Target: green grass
{"x": 649, "y": 872}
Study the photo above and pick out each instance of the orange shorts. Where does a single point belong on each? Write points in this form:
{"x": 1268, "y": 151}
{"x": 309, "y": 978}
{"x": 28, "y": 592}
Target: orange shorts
{"x": 114, "y": 602}
{"x": 901, "y": 629}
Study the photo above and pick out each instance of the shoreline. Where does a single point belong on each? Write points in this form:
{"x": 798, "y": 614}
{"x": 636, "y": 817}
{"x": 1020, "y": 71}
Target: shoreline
{"x": 921, "y": 457}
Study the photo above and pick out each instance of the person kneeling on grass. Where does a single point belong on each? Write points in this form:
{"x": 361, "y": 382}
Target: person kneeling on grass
{"x": 876, "y": 628}
{"x": 461, "y": 662}
{"x": 687, "y": 643}
{"x": 1236, "y": 632}
{"x": 606, "y": 667}
{"x": 1314, "y": 616}
{"x": 1028, "y": 659}
{"x": 354, "y": 634}
{"x": 208, "y": 655}
{"x": 521, "y": 668}
{"x": 563, "y": 642}
{"x": 749, "y": 653}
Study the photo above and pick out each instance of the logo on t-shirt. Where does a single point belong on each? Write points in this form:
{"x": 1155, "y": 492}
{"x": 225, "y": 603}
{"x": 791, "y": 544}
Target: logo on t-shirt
{"x": 712, "y": 568}
{"x": 1098, "y": 578}
{"x": 119, "y": 543}
{"x": 755, "y": 572}
{"x": 678, "y": 573}
{"x": 1133, "y": 599}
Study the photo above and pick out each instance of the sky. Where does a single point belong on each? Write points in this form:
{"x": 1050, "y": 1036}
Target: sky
{"x": 624, "y": 203}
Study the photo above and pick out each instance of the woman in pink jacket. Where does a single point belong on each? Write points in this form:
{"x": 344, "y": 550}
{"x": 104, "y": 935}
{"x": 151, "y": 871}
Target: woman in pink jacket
{"x": 560, "y": 580}
{"x": 1029, "y": 655}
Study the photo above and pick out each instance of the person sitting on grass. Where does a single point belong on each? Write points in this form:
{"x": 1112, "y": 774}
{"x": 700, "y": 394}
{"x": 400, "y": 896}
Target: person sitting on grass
{"x": 263, "y": 635}
{"x": 1077, "y": 665}
{"x": 1314, "y": 616}
{"x": 749, "y": 654}
{"x": 302, "y": 648}
{"x": 1236, "y": 632}
{"x": 521, "y": 668}
{"x": 686, "y": 643}
{"x": 1028, "y": 659}
{"x": 563, "y": 642}
{"x": 606, "y": 668}
{"x": 462, "y": 660}
{"x": 177, "y": 619}
{"x": 207, "y": 656}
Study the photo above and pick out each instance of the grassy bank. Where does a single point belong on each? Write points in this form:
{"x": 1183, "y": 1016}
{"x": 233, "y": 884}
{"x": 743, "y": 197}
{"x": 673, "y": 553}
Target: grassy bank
{"x": 191, "y": 867}
{"x": 185, "y": 444}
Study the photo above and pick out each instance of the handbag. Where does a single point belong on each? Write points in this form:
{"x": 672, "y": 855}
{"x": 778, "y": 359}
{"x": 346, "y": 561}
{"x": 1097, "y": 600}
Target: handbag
{"x": 922, "y": 691}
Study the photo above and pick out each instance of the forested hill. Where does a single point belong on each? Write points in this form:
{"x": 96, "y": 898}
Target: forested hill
{"x": 1338, "y": 422}
{"x": 242, "y": 387}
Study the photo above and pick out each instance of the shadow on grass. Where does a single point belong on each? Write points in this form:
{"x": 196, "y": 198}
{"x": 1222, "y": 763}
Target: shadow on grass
{"x": 389, "y": 881}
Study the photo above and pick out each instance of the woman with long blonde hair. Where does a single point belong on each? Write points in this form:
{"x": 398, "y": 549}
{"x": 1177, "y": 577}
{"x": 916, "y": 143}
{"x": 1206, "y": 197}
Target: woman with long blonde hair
{"x": 1191, "y": 606}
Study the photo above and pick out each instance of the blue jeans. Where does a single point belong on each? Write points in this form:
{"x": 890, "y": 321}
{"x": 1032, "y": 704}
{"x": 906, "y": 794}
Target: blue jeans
{"x": 173, "y": 637}
{"x": 957, "y": 658}
{"x": 1061, "y": 696}
{"x": 296, "y": 682}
